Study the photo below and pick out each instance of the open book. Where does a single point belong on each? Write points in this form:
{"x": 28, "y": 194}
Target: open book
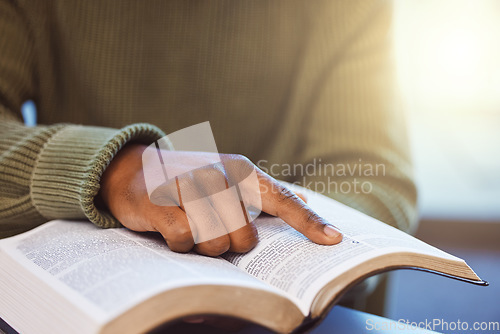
{"x": 72, "y": 277}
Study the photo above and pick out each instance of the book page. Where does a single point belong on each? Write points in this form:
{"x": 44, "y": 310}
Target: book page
{"x": 106, "y": 271}
{"x": 369, "y": 230}
{"x": 287, "y": 260}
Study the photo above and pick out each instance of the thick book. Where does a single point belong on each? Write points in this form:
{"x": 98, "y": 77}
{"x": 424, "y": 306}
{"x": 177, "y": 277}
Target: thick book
{"x": 73, "y": 277}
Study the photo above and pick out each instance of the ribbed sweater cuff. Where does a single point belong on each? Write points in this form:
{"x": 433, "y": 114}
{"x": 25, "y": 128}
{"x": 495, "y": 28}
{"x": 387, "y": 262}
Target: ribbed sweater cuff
{"x": 67, "y": 174}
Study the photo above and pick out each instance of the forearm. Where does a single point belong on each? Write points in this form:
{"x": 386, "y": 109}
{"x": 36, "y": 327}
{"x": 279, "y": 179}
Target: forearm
{"x": 19, "y": 149}
{"x": 53, "y": 172}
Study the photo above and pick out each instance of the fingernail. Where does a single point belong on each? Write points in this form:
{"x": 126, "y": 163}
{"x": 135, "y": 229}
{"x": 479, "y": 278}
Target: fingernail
{"x": 331, "y": 231}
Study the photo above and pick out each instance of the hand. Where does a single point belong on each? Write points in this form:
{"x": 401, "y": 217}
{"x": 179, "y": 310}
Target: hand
{"x": 124, "y": 193}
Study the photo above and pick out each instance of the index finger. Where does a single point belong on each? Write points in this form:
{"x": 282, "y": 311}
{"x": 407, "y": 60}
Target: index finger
{"x": 278, "y": 200}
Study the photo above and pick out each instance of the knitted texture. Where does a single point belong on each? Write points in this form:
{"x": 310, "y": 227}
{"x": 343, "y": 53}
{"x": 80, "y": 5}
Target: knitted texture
{"x": 282, "y": 82}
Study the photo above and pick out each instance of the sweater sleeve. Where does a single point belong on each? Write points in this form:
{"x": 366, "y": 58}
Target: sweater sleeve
{"x": 354, "y": 130}
{"x": 47, "y": 172}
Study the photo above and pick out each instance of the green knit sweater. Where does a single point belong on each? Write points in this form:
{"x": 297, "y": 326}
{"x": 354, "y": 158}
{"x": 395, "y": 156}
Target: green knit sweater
{"x": 282, "y": 82}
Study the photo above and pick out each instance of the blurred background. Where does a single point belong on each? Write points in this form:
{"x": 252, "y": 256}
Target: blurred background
{"x": 448, "y": 61}
{"x": 448, "y": 58}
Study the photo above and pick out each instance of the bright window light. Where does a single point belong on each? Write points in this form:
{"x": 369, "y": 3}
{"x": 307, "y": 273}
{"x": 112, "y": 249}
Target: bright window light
{"x": 448, "y": 59}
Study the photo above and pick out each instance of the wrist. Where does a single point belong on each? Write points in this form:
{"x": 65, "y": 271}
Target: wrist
{"x": 124, "y": 167}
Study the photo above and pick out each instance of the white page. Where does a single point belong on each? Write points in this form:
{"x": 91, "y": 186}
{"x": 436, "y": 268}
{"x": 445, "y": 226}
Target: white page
{"x": 105, "y": 271}
{"x": 287, "y": 260}
{"x": 369, "y": 230}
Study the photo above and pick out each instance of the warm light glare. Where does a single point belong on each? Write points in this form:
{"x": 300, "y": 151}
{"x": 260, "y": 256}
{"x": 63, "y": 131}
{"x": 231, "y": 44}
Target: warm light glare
{"x": 458, "y": 55}
{"x": 448, "y": 60}
{"x": 449, "y": 52}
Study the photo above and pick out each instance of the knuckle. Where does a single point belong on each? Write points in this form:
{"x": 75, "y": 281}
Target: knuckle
{"x": 206, "y": 172}
{"x": 189, "y": 190}
{"x": 215, "y": 246}
{"x": 168, "y": 217}
{"x": 238, "y": 167}
{"x": 245, "y": 244}
{"x": 240, "y": 158}
{"x": 181, "y": 235}
{"x": 285, "y": 195}
{"x": 185, "y": 182}
{"x": 213, "y": 177}
{"x": 167, "y": 188}
{"x": 311, "y": 220}
{"x": 238, "y": 161}
{"x": 179, "y": 247}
